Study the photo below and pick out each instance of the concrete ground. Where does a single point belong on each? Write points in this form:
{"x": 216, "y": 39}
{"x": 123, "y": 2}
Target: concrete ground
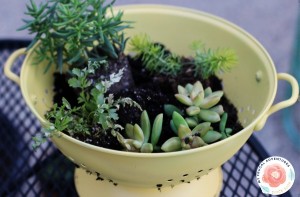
{"x": 272, "y": 23}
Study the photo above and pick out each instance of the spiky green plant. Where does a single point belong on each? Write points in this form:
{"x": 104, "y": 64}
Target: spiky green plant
{"x": 154, "y": 56}
{"x": 209, "y": 62}
{"x": 157, "y": 60}
{"x": 73, "y": 31}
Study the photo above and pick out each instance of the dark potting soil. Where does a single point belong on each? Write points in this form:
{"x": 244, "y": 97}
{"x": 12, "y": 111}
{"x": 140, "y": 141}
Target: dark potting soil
{"x": 150, "y": 90}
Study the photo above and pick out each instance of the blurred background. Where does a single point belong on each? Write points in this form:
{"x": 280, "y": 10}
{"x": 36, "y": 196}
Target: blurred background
{"x": 273, "y": 23}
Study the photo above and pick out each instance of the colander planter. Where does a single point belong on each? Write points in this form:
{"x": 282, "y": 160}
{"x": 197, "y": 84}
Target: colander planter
{"x": 251, "y": 87}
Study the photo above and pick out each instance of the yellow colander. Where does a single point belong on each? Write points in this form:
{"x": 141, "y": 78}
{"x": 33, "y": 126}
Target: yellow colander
{"x": 251, "y": 86}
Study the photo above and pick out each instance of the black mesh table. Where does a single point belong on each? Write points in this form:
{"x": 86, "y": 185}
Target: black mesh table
{"x": 46, "y": 172}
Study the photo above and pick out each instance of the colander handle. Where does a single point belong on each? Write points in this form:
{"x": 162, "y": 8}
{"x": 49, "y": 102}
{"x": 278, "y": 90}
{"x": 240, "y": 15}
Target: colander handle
{"x": 10, "y": 62}
{"x": 283, "y": 104}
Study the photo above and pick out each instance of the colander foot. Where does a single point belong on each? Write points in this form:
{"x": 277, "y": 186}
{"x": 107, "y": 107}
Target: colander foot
{"x": 207, "y": 186}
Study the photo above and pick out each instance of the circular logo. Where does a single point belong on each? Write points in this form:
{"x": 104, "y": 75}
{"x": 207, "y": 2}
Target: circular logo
{"x": 275, "y": 175}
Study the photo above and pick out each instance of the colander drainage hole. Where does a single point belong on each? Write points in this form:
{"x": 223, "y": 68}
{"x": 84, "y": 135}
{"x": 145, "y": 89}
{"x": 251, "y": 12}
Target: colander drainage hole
{"x": 200, "y": 171}
{"x": 159, "y": 186}
{"x": 170, "y": 180}
{"x": 185, "y": 175}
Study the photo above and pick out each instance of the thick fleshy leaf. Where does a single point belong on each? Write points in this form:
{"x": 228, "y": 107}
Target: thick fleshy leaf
{"x": 197, "y": 142}
{"x": 129, "y": 131}
{"x": 171, "y": 145}
{"x": 228, "y": 131}
{"x": 211, "y": 136}
{"x": 145, "y": 125}
{"x": 191, "y": 121}
{"x": 211, "y": 100}
{"x": 147, "y": 148}
{"x": 173, "y": 127}
{"x": 197, "y": 88}
{"x": 202, "y": 129}
{"x": 137, "y": 144}
{"x": 138, "y": 133}
{"x": 189, "y": 88}
{"x": 218, "y": 108}
{"x": 207, "y": 91}
{"x": 184, "y": 131}
{"x": 123, "y": 141}
{"x": 192, "y": 110}
{"x": 182, "y": 90}
{"x": 198, "y": 99}
{"x": 156, "y": 129}
{"x": 184, "y": 99}
{"x": 209, "y": 116}
{"x": 169, "y": 109}
{"x": 178, "y": 120}
{"x": 223, "y": 122}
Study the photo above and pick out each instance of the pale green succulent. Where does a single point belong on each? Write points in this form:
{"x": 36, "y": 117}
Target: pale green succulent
{"x": 226, "y": 132}
{"x": 139, "y": 135}
{"x": 201, "y": 135}
{"x": 192, "y": 127}
{"x": 202, "y": 103}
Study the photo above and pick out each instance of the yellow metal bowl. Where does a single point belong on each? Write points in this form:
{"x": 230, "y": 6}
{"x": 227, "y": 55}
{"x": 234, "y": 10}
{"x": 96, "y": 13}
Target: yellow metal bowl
{"x": 251, "y": 87}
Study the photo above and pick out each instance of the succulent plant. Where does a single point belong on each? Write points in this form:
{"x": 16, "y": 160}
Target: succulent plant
{"x": 202, "y": 103}
{"x": 193, "y": 128}
{"x": 187, "y": 138}
{"x": 225, "y": 132}
{"x": 139, "y": 136}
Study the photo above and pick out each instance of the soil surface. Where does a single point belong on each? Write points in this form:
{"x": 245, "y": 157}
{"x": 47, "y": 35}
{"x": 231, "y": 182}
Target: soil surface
{"x": 151, "y": 91}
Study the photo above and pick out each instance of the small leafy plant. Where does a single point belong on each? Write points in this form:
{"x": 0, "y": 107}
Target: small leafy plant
{"x": 96, "y": 112}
